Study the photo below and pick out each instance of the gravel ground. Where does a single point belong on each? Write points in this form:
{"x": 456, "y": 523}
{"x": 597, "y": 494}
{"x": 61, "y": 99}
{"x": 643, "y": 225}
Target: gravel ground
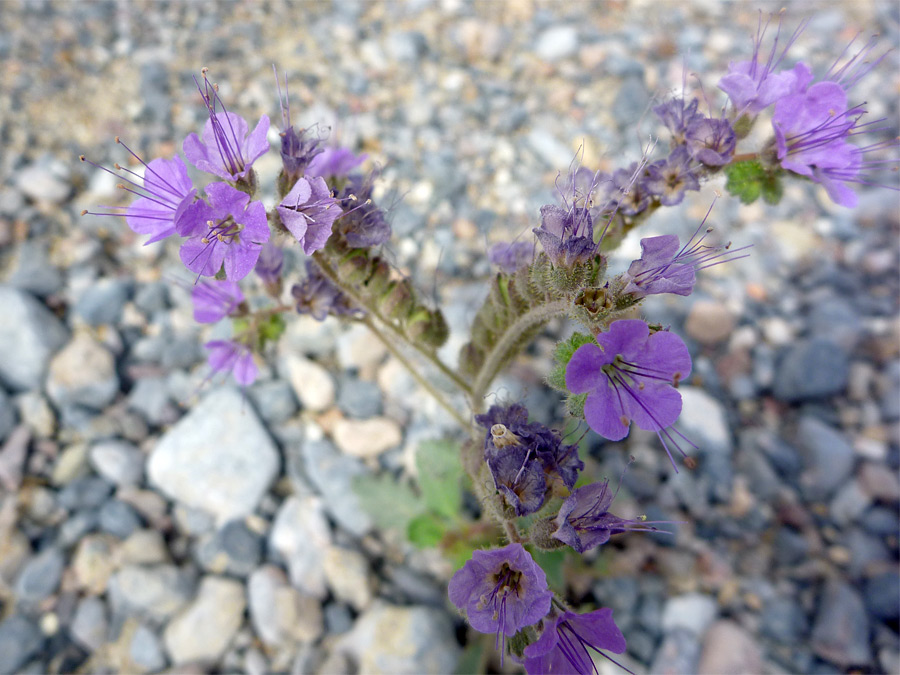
{"x": 123, "y": 548}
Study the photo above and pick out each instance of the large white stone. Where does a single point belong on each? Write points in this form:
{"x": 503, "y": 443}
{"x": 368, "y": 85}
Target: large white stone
{"x": 218, "y": 458}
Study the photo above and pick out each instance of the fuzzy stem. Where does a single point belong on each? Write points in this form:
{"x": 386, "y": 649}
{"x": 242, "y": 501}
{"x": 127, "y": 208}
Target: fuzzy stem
{"x": 351, "y": 293}
{"x": 501, "y": 351}
{"x": 392, "y": 348}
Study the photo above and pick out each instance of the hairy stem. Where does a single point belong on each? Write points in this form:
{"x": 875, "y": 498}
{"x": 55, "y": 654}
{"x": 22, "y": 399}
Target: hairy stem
{"x": 502, "y": 350}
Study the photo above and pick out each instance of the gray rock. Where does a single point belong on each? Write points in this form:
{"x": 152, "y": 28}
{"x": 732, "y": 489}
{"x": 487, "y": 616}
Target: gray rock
{"x": 118, "y": 518}
{"x": 703, "y": 420}
{"x": 358, "y": 398}
{"x": 867, "y": 553}
{"x": 20, "y": 639}
{"x": 203, "y": 631}
{"x": 300, "y": 534}
{"x": 632, "y": 99}
{"x": 407, "y": 46}
{"x": 348, "y": 576}
{"x": 841, "y": 630}
{"x": 7, "y": 416}
{"x": 120, "y": 462}
{"x": 31, "y": 270}
{"x": 218, "y": 458}
{"x": 728, "y": 649}
{"x": 693, "y": 612}
{"x": 882, "y": 596}
{"x": 29, "y": 335}
{"x": 146, "y": 649}
{"x": 553, "y": 152}
{"x": 828, "y": 458}
{"x": 89, "y": 625}
{"x": 836, "y": 317}
{"x": 40, "y": 576}
{"x": 234, "y": 549}
{"x": 391, "y": 639}
{"x": 557, "y": 43}
{"x": 811, "y": 369}
{"x": 274, "y": 400}
{"x": 46, "y": 180}
{"x": 83, "y": 373}
{"x": 77, "y": 525}
{"x": 881, "y": 520}
{"x": 152, "y": 297}
{"x": 281, "y": 615}
{"x": 102, "y": 302}
{"x": 332, "y": 474}
{"x": 784, "y": 620}
{"x": 150, "y": 397}
{"x": 679, "y": 653}
{"x": 849, "y": 503}
{"x": 87, "y": 492}
{"x": 338, "y": 618}
{"x": 155, "y": 592}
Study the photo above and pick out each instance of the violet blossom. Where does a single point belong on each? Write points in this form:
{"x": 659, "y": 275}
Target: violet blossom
{"x": 363, "y": 224}
{"x": 669, "y": 178}
{"x": 214, "y": 300}
{"x": 711, "y": 141}
{"x": 677, "y": 117}
{"x": 308, "y": 211}
{"x": 564, "y": 644}
{"x": 270, "y": 263}
{"x": 230, "y": 356}
{"x": 230, "y": 229}
{"x": 318, "y": 297}
{"x": 334, "y": 163}
{"x": 510, "y": 256}
{"x": 501, "y": 591}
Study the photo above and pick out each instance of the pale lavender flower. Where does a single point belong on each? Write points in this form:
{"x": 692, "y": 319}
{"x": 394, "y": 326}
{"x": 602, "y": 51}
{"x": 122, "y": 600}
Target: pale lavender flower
{"x": 228, "y": 148}
{"x": 229, "y": 356}
{"x": 308, "y": 211}
{"x": 214, "y": 300}
{"x": 318, "y": 297}
{"x": 669, "y": 178}
{"x": 711, "y": 141}
{"x": 678, "y": 116}
{"x": 164, "y": 193}
{"x": 334, "y": 163}
{"x": 564, "y": 644}
{"x": 510, "y": 256}
{"x": 567, "y": 235}
{"x": 501, "y": 591}
{"x": 271, "y": 261}
{"x": 363, "y": 223}
{"x": 230, "y": 229}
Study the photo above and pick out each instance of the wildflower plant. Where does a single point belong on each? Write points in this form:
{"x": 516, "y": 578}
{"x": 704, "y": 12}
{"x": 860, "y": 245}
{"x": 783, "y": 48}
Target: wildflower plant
{"x": 533, "y": 491}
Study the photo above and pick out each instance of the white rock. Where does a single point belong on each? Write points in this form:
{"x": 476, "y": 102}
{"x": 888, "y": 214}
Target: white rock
{"x": 692, "y": 611}
{"x": 301, "y": 535}
{"x": 29, "y": 335}
{"x": 282, "y": 615}
{"x": 119, "y": 461}
{"x": 357, "y": 349}
{"x": 218, "y": 458}
{"x": 203, "y": 631}
{"x": 347, "y": 573}
{"x": 557, "y": 42}
{"x": 367, "y": 438}
{"x": 703, "y": 421}
{"x": 83, "y": 373}
{"x": 313, "y": 384}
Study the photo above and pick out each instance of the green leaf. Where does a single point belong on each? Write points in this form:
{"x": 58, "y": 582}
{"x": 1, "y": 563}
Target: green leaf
{"x": 563, "y": 354}
{"x": 748, "y": 180}
{"x": 552, "y": 562}
{"x": 426, "y": 530}
{"x": 440, "y": 472}
{"x": 391, "y": 504}
{"x": 271, "y": 329}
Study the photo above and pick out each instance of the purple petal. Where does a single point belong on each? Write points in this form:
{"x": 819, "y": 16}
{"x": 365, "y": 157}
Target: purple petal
{"x": 599, "y": 629}
{"x": 202, "y": 258}
{"x": 245, "y": 370}
{"x": 604, "y": 413}
{"x": 224, "y": 197}
{"x": 656, "y": 408}
{"x": 583, "y": 372}
{"x": 256, "y": 144}
{"x": 626, "y": 337}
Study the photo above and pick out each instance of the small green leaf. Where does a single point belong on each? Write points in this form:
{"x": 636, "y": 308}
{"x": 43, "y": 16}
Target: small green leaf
{"x": 440, "y": 472}
{"x": 749, "y": 180}
{"x": 563, "y": 354}
{"x": 271, "y": 329}
{"x": 426, "y": 530}
{"x": 552, "y": 562}
{"x": 391, "y": 504}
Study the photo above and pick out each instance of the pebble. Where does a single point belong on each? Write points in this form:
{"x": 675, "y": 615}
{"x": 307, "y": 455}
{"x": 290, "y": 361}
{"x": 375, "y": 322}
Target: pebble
{"x": 332, "y": 474}
{"x": 709, "y": 323}
{"x": 849, "y": 503}
{"x": 7, "y": 416}
{"x": 784, "y": 620}
{"x": 882, "y": 595}
{"x": 557, "y": 43}
{"x": 402, "y": 640}
{"x": 103, "y": 301}
{"x": 217, "y": 458}
{"x": 840, "y": 633}
{"x": 83, "y": 373}
{"x": 879, "y": 482}
{"x": 20, "y": 639}
{"x": 89, "y": 625}
{"x": 274, "y": 400}
{"x": 357, "y": 350}
{"x": 120, "y": 462}
{"x": 31, "y": 271}
{"x": 86, "y": 492}
{"x": 828, "y": 458}
{"x": 154, "y": 592}
{"x": 301, "y": 535}
{"x": 679, "y": 653}
{"x": 551, "y": 151}
{"x": 728, "y": 649}
{"x": 118, "y": 518}
{"x": 150, "y": 397}
{"x": 359, "y": 399}
{"x": 693, "y": 612}
{"x": 94, "y": 562}
{"x": 146, "y": 650}
{"x": 282, "y": 615}
{"x": 144, "y": 547}
{"x": 29, "y": 335}
{"x": 36, "y": 414}
{"x": 811, "y": 369}
{"x": 203, "y": 630}
{"x": 14, "y": 551}
{"x": 312, "y": 384}
{"x": 40, "y": 576}
{"x": 233, "y": 549}
{"x": 45, "y": 180}
{"x": 12, "y": 458}
{"x": 367, "y": 438}
{"x": 347, "y": 574}
{"x": 703, "y": 421}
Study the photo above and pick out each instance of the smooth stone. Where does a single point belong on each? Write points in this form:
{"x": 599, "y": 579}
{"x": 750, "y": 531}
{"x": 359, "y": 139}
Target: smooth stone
{"x": 218, "y": 458}
{"x": 313, "y": 384}
{"x": 83, "y": 373}
{"x": 784, "y": 620}
{"x": 14, "y": 551}
{"x": 556, "y": 43}
{"x": 347, "y": 574}
{"x": 332, "y": 473}
{"x": 274, "y": 400}
{"x": 703, "y": 420}
{"x": 45, "y": 180}
{"x": 282, "y": 615}
{"x": 120, "y": 462}
{"x": 13, "y": 454}
{"x": 356, "y": 349}
{"x": 204, "y": 629}
{"x": 7, "y": 416}
{"x": 234, "y": 549}
{"x": 144, "y": 547}
{"x": 402, "y": 640}
{"x": 709, "y": 322}
{"x": 118, "y": 518}
{"x": 40, "y": 576}
{"x": 155, "y": 592}
{"x": 36, "y": 414}
{"x": 89, "y": 625}
{"x": 32, "y": 271}
{"x": 367, "y": 438}
{"x": 694, "y": 612}
{"x": 679, "y": 653}
{"x": 882, "y": 596}
{"x": 94, "y": 562}
{"x": 146, "y": 650}
{"x": 338, "y": 618}
{"x": 301, "y": 535}
{"x": 102, "y": 302}
{"x": 29, "y": 335}
{"x": 150, "y": 397}
{"x": 840, "y": 633}
{"x": 849, "y": 503}
{"x": 728, "y": 649}
{"x": 547, "y": 148}
{"x": 87, "y": 492}
{"x": 20, "y": 639}
{"x": 828, "y": 458}
{"x": 359, "y": 399}
{"x": 811, "y": 369}
{"x": 880, "y": 482}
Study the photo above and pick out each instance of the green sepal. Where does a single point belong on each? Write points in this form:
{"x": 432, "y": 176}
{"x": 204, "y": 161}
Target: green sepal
{"x": 272, "y": 328}
{"x": 239, "y": 326}
{"x": 563, "y": 354}
{"x": 749, "y": 180}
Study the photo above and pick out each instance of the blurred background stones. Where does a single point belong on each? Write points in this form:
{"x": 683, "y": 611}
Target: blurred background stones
{"x": 152, "y": 521}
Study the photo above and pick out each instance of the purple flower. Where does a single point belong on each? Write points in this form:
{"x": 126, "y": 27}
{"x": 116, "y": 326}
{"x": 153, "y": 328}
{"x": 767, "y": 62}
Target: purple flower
{"x": 658, "y": 270}
{"x": 501, "y": 591}
{"x": 308, "y": 211}
{"x": 517, "y": 474}
{"x": 268, "y": 267}
{"x": 318, "y": 297}
{"x": 633, "y": 191}
{"x": 298, "y": 150}
{"x": 567, "y": 235}
{"x": 668, "y": 179}
{"x": 230, "y": 230}
{"x": 754, "y": 85}
{"x": 228, "y": 356}
{"x": 567, "y": 637}
{"x": 584, "y": 520}
{"x": 363, "y": 224}
{"x": 214, "y": 300}
{"x": 510, "y": 256}
{"x": 677, "y": 117}
{"x": 629, "y": 375}
{"x": 711, "y": 141}
{"x": 228, "y": 149}
{"x": 334, "y": 163}
{"x": 164, "y": 193}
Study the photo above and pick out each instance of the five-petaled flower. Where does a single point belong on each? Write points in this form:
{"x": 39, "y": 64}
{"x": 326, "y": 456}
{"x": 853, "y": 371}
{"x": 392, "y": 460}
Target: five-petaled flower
{"x": 563, "y": 646}
{"x": 308, "y": 211}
